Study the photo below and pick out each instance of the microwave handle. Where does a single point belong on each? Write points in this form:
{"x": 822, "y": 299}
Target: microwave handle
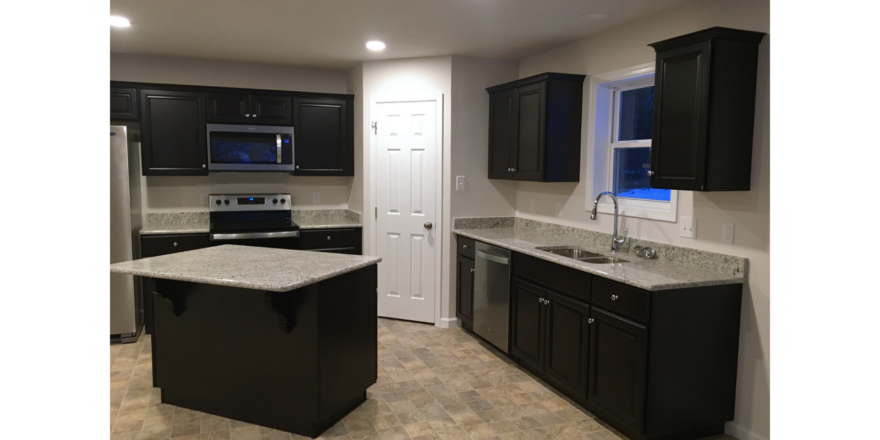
{"x": 278, "y": 144}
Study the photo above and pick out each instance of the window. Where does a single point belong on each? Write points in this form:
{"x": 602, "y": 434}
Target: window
{"x": 623, "y": 124}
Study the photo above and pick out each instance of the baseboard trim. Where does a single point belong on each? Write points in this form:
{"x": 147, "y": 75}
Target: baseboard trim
{"x": 741, "y": 433}
{"x": 449, "y": 323}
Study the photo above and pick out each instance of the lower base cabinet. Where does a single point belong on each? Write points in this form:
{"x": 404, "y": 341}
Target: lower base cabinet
{"x": 464, "y": 290}
{"x": 655, "y": 365}
{"x": 338, "y": 241}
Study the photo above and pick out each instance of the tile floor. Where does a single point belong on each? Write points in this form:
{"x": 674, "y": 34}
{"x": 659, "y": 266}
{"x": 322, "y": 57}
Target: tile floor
{"x": 434, "y": 384}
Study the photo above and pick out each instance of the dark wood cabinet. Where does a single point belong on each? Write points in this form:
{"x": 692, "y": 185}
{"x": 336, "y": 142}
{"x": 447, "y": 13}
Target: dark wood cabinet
{"x": 323, "y": 137}
{"x": 527, "y": 316}
{"x": 339, "y": 241}
{"x": 173, "y": 133}
{"x": 464, "y": 291}
{"x": 618, "y": 367}
{"x": 123, "y": 103}
{"x": 156, "y": 245}
{"x": 704, "y": 110}
{"x": 535, "y": 128}
{"x": 248, "y": 108}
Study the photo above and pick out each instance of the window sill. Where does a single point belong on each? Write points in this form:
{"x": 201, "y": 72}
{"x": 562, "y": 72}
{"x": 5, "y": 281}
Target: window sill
{"x": 640, "y": 212}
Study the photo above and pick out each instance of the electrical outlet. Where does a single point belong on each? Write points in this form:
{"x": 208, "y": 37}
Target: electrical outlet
{"x": 459, "y": 183}
{"x": 531, "y": 205}
{"x": 316, "y": 197}
{"x": 687, "y": 227}
{"x": 558, "y": 208}
{"x": 204, "y": 199}
{"x": 727, "y": 233}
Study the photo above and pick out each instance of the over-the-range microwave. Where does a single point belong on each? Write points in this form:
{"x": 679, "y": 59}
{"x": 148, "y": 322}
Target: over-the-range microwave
{"x": 250, "y": 148}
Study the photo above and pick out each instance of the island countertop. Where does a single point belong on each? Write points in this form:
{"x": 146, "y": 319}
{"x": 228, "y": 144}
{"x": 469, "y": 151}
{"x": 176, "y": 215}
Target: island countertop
{"x": 249, "y": 267}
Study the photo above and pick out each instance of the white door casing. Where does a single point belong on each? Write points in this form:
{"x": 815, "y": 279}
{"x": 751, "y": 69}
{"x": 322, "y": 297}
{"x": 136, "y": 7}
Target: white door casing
{"x": 407, "y": 147}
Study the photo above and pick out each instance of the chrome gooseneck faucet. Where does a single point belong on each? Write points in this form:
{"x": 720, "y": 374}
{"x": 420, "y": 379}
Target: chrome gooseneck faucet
{"x": 615, "y": 241}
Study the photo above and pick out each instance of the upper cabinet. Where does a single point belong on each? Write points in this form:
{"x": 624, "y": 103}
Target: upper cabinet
{"x": 535, "y": 128}
{"x": 323, "y": 136}
{"x": 704, "y": 110}
{"x": 123, "y": 103}
{"x": 248, "y": 108}
{"x": 173, "y": 133}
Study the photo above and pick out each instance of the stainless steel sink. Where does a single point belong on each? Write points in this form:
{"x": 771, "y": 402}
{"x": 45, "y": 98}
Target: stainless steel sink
{"x": 582, "y": 255}
{"x": 577, "y": 254}
{"x": 604, "y": 260}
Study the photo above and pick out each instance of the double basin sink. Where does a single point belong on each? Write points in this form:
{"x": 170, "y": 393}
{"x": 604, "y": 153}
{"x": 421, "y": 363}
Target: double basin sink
{"x": 582, "y": 255}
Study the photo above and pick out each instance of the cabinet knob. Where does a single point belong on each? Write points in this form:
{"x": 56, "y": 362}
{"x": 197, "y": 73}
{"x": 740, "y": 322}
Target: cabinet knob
{"x": 590, "y": 320}
{"x": 464, "y": 246}
{"x": 204, "y": 166}
{"x": 513, "y": 170}
{"x": 541, "y": 300}
{"x": 328, "y": 237}
{"x": 614, "y": 297}
{"x": 473, "y": 270}
{"x": 247, "y": 115}
{"x": 297, "y": 167}
{"x": 650, "y": 173}
{"x": 175, "y": 244}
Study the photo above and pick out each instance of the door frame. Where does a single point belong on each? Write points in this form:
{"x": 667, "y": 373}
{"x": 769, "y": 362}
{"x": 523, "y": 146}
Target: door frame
{"x": 438, "y": 188}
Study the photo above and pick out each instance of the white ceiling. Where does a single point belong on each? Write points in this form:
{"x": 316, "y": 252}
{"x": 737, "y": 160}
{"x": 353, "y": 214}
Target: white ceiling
{"x": 332, "y": 33}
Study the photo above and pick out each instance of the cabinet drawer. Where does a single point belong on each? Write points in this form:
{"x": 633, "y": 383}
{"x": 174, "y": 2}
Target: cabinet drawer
{"x": 627, "y": 301}
{"x": 466, "y": 246}
{"x": 571, "y": 282}
{"x": 328, "y": 239}
{"x": 155, "y": 245}
{"x": 342, "y": 250}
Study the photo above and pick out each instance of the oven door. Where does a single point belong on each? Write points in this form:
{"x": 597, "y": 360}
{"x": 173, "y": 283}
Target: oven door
{"x": 249, "y": 148}
{"x": 279, "y": 240}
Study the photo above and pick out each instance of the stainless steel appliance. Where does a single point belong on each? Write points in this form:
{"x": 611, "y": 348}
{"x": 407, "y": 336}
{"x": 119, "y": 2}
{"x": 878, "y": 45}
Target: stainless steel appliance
{"x": 492, "y": 294}
{"x": 253, "y": 220}
{"x": 126, "y": 316}
{"x": 250, "y": 148}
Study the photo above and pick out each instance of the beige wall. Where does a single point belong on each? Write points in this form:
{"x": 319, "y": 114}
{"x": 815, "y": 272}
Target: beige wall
{"x": 624, "y": 47}
{"x": 470, "y": 133}
{"x": 183, "y": 193}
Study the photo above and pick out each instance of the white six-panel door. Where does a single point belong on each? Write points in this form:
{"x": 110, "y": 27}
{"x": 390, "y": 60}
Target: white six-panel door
{"x": 407, "y": 139}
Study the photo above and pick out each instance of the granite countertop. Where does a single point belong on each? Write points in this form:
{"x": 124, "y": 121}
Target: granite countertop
{"x": 199, "y": 222}
{"x": 249, "y": 267}
{"x": 639, "y": 272}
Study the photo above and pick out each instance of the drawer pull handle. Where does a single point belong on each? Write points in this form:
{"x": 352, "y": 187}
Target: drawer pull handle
{"x": 614, "y": 297}
{"x": 590, "y": 320}
{"x": 175, "y": 244}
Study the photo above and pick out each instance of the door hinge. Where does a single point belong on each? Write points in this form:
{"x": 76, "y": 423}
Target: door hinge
{"x": 376, "y": 214}
{"x": 375, "y": 128}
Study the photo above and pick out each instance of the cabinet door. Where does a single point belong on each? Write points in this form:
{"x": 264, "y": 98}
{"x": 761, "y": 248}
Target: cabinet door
{"x": 529, "y": 106}
{"x": 618, "y": 361}
{"x": 322, "y": 145}
{"x": 464, "y": 289}
{"x": 567, "y": 342}
{"x": 123, "y": 103}
{"x": 527, "y": 340}
{"x": 267, "y": 109}
{"x": 501, "y": 156}
{"x": 229, "y": 108}
{"x": 681, "y": 97}
{"x": 173, "y": 133}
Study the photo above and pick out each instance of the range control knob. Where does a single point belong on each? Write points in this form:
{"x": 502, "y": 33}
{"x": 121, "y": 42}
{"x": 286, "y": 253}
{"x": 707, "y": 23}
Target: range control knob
{"x": 226, "y": 201}
{"x": 274, "y": 201}
{"x": 282, "y": 201}
{"x": 218, "y": 201}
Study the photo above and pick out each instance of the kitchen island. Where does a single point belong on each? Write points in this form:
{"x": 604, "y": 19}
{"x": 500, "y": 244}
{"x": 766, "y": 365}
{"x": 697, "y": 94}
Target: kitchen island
{"x": 280, "y": 338}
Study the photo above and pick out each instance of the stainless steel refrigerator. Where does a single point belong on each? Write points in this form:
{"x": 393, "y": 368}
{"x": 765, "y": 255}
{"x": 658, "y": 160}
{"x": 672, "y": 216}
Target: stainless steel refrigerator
{"x": 126, "y": 304}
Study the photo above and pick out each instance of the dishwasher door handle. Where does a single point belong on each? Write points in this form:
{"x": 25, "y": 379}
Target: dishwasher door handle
{"x": 490, "y": 257}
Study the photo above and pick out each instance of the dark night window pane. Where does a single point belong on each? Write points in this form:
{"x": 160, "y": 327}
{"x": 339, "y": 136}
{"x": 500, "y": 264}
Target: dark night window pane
{"x": 631, "y": 179}
{"x": 636, "y": 114}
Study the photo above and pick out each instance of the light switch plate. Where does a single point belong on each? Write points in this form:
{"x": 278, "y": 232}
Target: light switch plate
{"x": 687, "y": 227}
{"x": 316, "y": 197}
{"x": 727, "y": 233}
{"x": 204, "y": 199}
{"x": 459, "y": 183}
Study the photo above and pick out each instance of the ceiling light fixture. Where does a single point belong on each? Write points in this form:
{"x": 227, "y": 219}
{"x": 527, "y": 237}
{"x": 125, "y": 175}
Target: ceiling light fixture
{"x": 596, "y": 15}
{"x": 117, "y": 21}
{"x": 375, "y": 45}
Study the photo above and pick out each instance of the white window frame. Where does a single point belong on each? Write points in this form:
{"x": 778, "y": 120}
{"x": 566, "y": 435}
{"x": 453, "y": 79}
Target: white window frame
{"x": 604, "y": 103}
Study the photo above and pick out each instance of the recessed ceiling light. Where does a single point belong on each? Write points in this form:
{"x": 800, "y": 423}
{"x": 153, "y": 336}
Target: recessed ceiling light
{"x": 118, "y": 21}
{"x": 596, "y": 15}
{"x": 375, "y": 45}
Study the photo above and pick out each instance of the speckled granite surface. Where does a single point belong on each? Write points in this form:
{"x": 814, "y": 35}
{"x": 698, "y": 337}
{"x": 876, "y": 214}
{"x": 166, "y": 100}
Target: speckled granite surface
{"x": 250, "y": 267}
{"x": 675, "y": 267}
{"x": 199, "y": 222}
{"x": 326, "y": 218}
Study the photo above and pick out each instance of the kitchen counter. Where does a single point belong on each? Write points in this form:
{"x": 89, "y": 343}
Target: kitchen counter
{"x": 249, "y": 267}
{"x": 654, "y": 274}
{"x": 199, "y": 222}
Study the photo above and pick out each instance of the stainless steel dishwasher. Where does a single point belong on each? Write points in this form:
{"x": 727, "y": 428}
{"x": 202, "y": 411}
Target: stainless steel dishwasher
{"x": 492, "y": 294}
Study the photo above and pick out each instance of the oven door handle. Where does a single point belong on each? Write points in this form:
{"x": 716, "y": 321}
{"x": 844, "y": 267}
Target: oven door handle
{"x": 249, "y": 235}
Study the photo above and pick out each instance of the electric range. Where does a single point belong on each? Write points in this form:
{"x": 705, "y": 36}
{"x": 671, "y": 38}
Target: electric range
{"x": 253, "y": 220}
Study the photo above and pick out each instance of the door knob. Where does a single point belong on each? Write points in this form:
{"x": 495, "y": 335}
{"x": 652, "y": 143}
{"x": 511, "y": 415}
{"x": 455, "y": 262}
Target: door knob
{"x": 428, "y": 225}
